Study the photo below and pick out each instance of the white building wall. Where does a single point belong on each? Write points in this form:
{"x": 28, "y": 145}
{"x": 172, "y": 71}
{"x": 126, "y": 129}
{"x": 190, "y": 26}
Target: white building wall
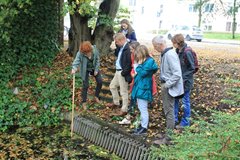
{"x": 175, "y": 12}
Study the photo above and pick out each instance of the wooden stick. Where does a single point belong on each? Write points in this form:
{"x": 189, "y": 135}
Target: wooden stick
{"x": 73, "y": 93}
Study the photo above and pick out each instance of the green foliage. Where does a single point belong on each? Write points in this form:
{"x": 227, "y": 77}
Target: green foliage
{"x": 88, "y": 9}
{"x": 28, "y": 35}
{"x": 217, "y": 139}
{"x": 84, "y": 8}
{"x": 123, "y": 13}
{"x": 12, "y": 109}
{"x": 46, "y": 98}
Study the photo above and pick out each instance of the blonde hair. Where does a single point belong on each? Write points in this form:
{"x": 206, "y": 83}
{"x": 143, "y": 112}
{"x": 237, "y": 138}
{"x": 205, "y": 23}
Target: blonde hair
{"x": 134, "y": 44}
{"x": 119, "y": 36}
{"x": 141, "y": 53}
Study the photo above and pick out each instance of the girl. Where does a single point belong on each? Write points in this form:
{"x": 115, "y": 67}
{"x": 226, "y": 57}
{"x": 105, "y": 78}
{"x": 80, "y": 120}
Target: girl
{"x": 142, "y": 88}
{"x": 127, "y": 30}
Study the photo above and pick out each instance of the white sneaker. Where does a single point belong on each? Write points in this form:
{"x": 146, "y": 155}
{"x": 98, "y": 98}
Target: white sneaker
{"x": 125, "y": 121}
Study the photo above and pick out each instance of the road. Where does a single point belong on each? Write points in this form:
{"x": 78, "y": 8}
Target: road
{"x": 230, "y": 46}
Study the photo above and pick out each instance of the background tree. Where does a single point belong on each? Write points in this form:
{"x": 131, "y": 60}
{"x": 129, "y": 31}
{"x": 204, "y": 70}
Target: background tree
{"x": 204, "y": 7}
{"x": 81, "y": 12}
{"x": 199, "y": 7}
{"x": 232, "y": 12}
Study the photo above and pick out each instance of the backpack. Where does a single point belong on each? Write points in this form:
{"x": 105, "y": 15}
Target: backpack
{"x": 194, "y": 56}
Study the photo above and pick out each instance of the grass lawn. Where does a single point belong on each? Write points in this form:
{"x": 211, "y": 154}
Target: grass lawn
{"x": 221, "y": 35}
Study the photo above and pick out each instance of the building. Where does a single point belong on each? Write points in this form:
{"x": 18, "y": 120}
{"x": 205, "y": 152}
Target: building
{"x": 150, "y": 15}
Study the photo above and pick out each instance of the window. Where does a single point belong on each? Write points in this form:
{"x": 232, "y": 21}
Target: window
{"x": 209, "y": 7}
{"x": 142, "y": 10}
{"x": 228, "y": 26}
{"x": 132, "y": 2}
{"x": 191, "y": 8}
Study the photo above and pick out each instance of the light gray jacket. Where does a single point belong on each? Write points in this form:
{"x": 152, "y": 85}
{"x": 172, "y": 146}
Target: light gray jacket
{"x": 170, "y": 72}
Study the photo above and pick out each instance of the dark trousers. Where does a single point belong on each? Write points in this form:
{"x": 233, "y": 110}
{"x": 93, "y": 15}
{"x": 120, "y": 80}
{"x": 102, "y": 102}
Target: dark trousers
{"x": 98, "y": 79}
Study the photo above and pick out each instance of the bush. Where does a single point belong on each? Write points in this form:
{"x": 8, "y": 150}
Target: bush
{"x": 29, "y": 32}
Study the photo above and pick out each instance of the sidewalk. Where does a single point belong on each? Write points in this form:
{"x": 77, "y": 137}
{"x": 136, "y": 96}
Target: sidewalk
{"x": 234, "y": 42}
{"x": 147, "y": 38}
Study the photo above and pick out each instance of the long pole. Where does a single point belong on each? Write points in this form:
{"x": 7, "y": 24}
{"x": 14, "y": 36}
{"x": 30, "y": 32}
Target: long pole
{"x": 73, "y": 93}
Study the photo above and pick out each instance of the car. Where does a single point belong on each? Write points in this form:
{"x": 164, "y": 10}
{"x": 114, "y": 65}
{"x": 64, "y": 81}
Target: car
{"x": 189, "y": 32}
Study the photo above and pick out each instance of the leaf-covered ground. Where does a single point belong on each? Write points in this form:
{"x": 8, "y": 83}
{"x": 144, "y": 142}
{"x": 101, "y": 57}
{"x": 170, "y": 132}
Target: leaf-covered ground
{"x": 219, "y": 73}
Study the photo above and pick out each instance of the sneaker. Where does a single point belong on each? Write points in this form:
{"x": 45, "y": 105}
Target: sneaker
{"x": 125, "y": 121}
{"x": 136, "y": 129}
{"x": 179, "y": 127}
{"x": 140, "y": 131}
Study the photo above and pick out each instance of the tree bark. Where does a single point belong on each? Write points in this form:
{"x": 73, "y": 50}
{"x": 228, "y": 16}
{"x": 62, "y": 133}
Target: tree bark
{"x": 61, "y": 22}
{"x": 234, "y": 19}
{"x": 79, "y": 31}
{"x": 103, "y": 33}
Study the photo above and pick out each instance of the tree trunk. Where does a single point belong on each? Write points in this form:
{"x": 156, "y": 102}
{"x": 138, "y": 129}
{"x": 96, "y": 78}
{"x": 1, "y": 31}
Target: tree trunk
{"x": 234, "y": 24}
{"x": 103, "y": 33}
{"x": 79, "y": 31}
{"x": 61, "y": 23}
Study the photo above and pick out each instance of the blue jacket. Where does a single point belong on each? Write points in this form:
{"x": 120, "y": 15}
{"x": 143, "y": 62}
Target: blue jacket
{"x": 142, "y": 87}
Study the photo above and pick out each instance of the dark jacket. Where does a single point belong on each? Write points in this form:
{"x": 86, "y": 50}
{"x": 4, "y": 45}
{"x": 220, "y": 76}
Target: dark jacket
{"x": 131, "y": 36}
{"x": 187, "y": 66}
{"x": 142, "y": 87}
{"x": 125, "y": 62}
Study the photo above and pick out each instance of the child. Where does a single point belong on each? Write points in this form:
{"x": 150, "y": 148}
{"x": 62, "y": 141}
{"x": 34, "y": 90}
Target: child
{"x": 142, "y": 88}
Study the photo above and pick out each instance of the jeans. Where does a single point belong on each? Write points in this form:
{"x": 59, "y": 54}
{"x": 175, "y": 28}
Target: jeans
{"x": 185, "y": 121}
{"x": 143, "y": 107}
{"x": 131, "y": 107}
{"x": 98, "y": 79}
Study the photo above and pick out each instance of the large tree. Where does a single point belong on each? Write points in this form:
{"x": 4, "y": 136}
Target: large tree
{"x": 81, "y": 12}
{"x": 199, "y": 7}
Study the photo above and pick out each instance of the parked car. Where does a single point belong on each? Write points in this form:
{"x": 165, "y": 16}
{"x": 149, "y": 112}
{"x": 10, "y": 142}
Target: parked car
{"x": 189, "y": 32}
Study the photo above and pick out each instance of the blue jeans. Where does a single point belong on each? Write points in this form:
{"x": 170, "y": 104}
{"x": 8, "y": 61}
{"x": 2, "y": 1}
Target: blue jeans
{"x": 185, "y": 121}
